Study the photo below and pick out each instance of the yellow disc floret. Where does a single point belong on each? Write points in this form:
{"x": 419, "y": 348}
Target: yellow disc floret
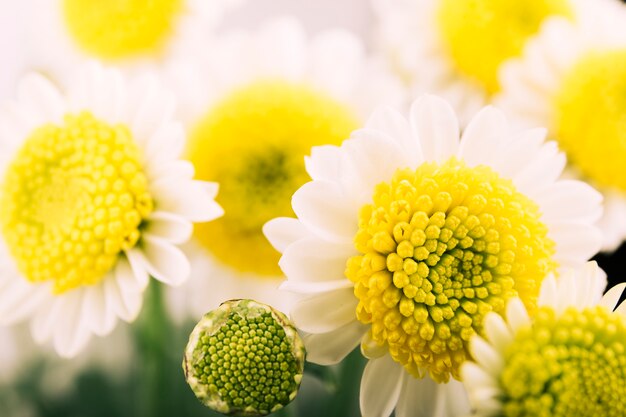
{"x": 253, "y": 143}
{"x": 573, "y": 365}
{"x": 481, "y": 34}
{"x": 72, "y": 199}
{"x": 116, "y": 29}
{"x": 591, "y": 117}
{"x": 441, "y": 246}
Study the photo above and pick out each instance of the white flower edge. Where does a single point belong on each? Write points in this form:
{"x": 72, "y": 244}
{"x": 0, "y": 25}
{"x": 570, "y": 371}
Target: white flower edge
{"x": 69, "y": 319}
{"x": 333, "y": 61}
{"x": 530, "y": 82}
{"x": 407, "y": 35}
{"x": 54, "y": 52}
{"x": 579, "y": 289}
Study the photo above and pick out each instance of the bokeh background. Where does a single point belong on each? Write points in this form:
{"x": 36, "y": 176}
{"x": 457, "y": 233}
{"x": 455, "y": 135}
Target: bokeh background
{"x": 137, "y": 371}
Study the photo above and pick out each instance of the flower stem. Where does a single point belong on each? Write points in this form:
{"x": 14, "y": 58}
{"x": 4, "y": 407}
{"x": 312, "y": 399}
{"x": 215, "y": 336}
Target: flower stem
{"x": 153, "y": 337}
{"x": 346, "y": 399}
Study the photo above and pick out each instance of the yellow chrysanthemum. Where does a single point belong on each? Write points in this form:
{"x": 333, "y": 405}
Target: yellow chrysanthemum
{"x": 253, "y": 143}
{"x": 432, "y": 233}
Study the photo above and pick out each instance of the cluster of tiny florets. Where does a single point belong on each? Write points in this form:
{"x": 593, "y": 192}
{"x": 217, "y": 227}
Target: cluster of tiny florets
{"x": 246, "y": 364}
{"x": 568, "y": 366}
{"x": 441, "y": 246}
{"x": 73, "y": 198}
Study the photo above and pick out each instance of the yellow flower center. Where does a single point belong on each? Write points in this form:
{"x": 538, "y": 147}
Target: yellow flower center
{"x": 441, "y": 246}
{"x": 591, "y": 117}
{"x": 73, "y": 198}
{"x": 253, "y": 143}
{"x": 568, "y": 366}
{"x": 481, "y": 34}
{"x": 116, "y": 29}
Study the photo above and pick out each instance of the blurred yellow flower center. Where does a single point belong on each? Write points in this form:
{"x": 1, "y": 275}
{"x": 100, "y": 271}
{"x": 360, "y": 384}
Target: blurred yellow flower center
{"x": 441, "y": 246}
{"x": 253, "y": 143}
{"x": 591, "y": 117}
{"x": 568, "y": 366}
{"x": 481, "y": 34}
{"x": 72, "y": 199}
{"x": 116, "y": 29}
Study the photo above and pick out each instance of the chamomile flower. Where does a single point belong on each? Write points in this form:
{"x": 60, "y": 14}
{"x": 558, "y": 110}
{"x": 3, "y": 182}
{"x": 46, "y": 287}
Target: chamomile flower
{"x": 407, "y": 237}
{"x": 263, "y": 99}
{"x": 567, "y": 360}
{"x": 94, "y": 200}
{"x": 571, "y": 79}
{"x": 131, "y": 34}
{"x": 455, "y": 49}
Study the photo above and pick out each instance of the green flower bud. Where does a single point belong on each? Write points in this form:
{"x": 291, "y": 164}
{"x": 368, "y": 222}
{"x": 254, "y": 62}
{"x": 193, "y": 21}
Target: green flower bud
{"x": 244, "y": 359}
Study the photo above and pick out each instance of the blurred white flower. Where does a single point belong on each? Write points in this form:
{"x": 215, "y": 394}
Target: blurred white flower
{"x": 259, "y": 101}
{"x": 455, "y": 48}
{"x": 407, "y": 237}
{"x": 572, "y": 79}
{"x": 94, "y": 200}
{"x": 566, "y": 360}
{"x": 131, "y": 34}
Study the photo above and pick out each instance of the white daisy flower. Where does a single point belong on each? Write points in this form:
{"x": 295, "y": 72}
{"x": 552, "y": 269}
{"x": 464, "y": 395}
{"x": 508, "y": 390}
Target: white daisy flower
{"x": 262, "y": 99}
{"x": 567, "y": 360}
{"x": 571, "y": 79}
{"x": 131, "y": 34}
{"x": 455, "y": 48}
{"x": 407, "y": 237}
{"x": 93, "y": 201}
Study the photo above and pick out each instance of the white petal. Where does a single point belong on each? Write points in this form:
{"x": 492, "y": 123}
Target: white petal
{"x": 153, "y": 105}
{"x": 419, "y": 398}
{"x": 70, "y": 334}
{"x": 130, "y": 288}
{"x": 548, "y": 293}
{"x": 19, "y": 299}
{"x": 325, "y": 312}
{"x": 497, "y": 332}
{"x": 165, "y": 144}
{"x": 137, "y": 263}
{"x": 315, "y": 260}
{"x": 436, "y": 126}
{"x": 188, "y": 199}
{"x": 324, "y": 163}
{"x": 168, "y": 226}
{"x": 390, "y": 121}
{"x": 519, "y": 152}
{"x": 321, "y": 206}
{"x": 475, "y": 376}
{"x": 612, "y": 296}
{"x": 164, "y": 261}
{"x": 280, "y": 48}
{"x": 485, "y": 133}
{"x": 98, "y": 314}
{"x": 485, "y": 355}
{"x": 371, "y": 349}
{"x": 516, "y": 314}
{"x": 43, "y": 324}
{"x": 575, "y": 242}
{"x": 370, "y": 157}
{"x": 304, "y": 287}
{"x": 380, "y": 387}
{"x": 546, "y": 167}
{"x": 173, "y": 169}
{"x": 283, "y": 231}
{"x": 330, "y": 348}
{"x": 336, "y": 55}
{"x": 37, "y": 93}
{"x": 455, "y": 399}
{"x": 571, "y": 200}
